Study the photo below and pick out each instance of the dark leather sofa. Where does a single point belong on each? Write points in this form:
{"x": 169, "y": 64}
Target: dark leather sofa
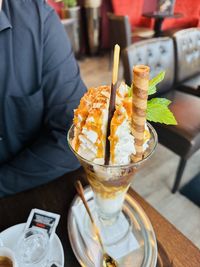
{"x": 187, "y": 48}
{"x": 184, "y": 138}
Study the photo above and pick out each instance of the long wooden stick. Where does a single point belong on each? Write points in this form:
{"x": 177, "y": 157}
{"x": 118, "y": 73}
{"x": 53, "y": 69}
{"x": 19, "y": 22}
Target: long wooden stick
{"x": 115, "y": 64}
{"x": 80, "y": 191}
{"x": 112, "y": 99}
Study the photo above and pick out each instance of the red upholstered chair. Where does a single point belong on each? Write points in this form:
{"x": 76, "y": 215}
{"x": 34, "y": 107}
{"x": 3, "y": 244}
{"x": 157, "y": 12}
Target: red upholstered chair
{"x": 191, "y": 15}
{"x": 120, "y": 32}
{"x": 134, "y": 9}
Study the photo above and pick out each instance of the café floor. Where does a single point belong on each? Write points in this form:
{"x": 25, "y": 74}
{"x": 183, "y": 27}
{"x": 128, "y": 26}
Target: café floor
{"x": 155, "y": 179}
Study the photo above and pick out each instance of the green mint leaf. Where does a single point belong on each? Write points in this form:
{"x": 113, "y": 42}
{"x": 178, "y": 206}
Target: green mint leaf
{"x": 160, "y": 100}
{"x": 158, "y": 111}
{"x": 153, "y": 82}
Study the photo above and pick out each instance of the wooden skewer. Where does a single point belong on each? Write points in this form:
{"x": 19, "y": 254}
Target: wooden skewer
{"x": 80, "y": 191}
{"x": 115, "y": 64}
{"x": 107, "y": 259}
{"x": 112, "y": 99}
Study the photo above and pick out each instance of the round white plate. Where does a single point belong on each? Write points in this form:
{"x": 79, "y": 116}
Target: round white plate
{"x": 11, "y": 235}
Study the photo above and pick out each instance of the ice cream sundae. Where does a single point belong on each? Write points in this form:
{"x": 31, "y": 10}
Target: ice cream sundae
{"x": 110, "y": 182}
{"x": 131, "y": 139}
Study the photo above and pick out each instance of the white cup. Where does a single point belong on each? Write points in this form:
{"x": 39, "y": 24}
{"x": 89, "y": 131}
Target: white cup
{"x": 7, "y": 252}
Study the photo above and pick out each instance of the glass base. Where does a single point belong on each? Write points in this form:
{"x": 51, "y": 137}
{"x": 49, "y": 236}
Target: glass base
{"x": 112, "y": 232}
{"x": 138, "y": 249}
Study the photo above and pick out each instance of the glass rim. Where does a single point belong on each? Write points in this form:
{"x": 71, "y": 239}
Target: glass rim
{"x": 131, "y": 164}
{"x": 35, "y": 232}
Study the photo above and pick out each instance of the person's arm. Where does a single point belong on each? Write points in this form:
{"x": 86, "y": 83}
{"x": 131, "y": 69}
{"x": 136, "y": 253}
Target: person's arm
{"x": 49, "y": 156}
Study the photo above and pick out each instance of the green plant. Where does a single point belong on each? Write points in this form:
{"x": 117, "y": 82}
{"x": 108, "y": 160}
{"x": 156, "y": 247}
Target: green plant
{"x": 69, "y": 3}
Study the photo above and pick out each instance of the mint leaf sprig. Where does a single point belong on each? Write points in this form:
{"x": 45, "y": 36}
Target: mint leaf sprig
{"x": 158, "y": 111}
{"x": 157, "y": 108}
{"x": 153, "y": 82}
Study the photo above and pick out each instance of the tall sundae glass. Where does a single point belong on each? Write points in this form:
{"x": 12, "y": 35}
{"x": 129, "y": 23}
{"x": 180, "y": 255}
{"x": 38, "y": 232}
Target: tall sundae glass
{"x": 131, "y": 141}
{"x": 111, "y": 182}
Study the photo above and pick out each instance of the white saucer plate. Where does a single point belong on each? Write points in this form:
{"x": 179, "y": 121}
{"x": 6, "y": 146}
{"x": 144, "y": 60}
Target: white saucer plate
{"x": 144, "y": 256}
{"x": 11, "y": 235}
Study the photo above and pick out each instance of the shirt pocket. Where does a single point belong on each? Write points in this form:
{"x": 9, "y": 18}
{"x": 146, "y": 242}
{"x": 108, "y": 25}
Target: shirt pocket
{"x": 24, "y": 115}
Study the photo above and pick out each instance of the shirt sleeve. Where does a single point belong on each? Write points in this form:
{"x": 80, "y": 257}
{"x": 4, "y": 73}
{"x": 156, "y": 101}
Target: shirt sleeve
{"x": 49, "y": 156}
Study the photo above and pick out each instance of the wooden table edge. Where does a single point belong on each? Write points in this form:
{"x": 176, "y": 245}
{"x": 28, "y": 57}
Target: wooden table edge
{"x": 180, "y": 250}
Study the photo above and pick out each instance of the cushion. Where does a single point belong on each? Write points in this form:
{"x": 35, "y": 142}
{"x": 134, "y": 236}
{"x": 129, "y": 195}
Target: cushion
{"x": 191, "y": 86}
{"x": 193, "y": 83}
{"x": 158, "y": 53}
{"x": 186, "y": 134}
{"x": 133, "y": 9}
{"x": 190, "y": 11}
{"x": 182, "y": 23}
{"x": 187, "y": 43}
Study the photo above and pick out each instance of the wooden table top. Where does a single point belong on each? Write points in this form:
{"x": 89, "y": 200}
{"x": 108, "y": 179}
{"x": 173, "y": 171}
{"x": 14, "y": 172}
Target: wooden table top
{"x": 174, "y": 248}
{"x": 162, "y": 15}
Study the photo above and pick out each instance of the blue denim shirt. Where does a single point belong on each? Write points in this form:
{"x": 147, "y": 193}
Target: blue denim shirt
{"x": 40, "y": 86}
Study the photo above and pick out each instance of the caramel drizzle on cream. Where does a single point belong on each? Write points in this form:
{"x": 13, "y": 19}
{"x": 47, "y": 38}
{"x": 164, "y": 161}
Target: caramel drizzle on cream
{"x": 92, "y": 106}
{"x": 116, "y": 121}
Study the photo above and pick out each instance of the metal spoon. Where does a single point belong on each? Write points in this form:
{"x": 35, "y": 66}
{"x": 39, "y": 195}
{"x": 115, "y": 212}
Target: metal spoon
{"x": 108, "y": 261}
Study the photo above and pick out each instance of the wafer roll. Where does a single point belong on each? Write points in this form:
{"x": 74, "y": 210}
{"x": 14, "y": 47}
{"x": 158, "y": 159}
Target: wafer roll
{"x": 140, "y": 94}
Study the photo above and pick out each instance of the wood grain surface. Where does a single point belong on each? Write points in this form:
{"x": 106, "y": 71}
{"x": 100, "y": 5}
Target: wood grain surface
{"x": 175, "y": 250}
{"x": 179, "y": 250}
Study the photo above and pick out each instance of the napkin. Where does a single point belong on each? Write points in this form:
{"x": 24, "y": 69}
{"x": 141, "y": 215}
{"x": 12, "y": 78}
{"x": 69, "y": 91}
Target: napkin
{"x": 115, "y": 249}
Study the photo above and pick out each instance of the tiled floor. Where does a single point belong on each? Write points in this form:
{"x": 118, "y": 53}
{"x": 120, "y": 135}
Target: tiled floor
{"x": 155, "y": 179}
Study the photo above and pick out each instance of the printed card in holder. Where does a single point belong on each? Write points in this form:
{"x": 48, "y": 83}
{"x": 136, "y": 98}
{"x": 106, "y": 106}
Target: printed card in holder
{"x": 44, "y": 221}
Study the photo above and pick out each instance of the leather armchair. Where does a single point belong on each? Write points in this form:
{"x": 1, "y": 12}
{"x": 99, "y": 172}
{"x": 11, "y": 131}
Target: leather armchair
{"x": 120, "y": 31}
{"x": 157, "y": 53}
{"x": 184, "y": 138}
{"x": 187, "y": 47}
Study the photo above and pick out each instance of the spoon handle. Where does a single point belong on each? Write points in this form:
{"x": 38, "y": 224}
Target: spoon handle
{"x": 80, "y": 191}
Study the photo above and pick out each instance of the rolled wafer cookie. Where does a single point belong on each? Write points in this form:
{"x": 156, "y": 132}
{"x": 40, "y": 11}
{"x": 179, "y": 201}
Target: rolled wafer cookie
{"x": 140, "y": 87}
